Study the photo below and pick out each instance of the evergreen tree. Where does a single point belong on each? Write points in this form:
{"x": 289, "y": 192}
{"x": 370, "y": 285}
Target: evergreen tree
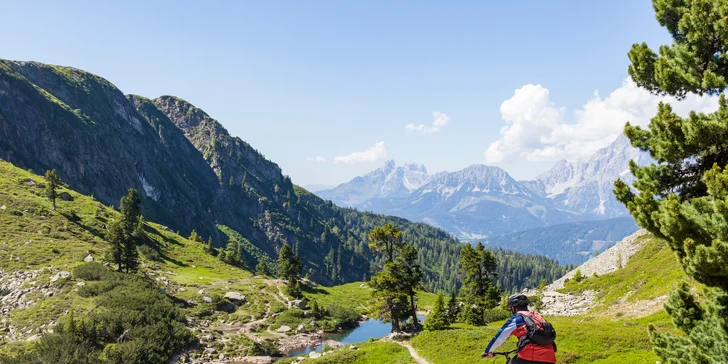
{"x": 132, "y": 225}
{"x": 386, "y": 239}
{"x": 261, "y": 268}
{"x": 683, "y": 197}
{"x": 411, "y": 279}
{"x": 194, "y": 236}
{"x": 391, "y": 302}
{"x": 289, "y": 268}
{"x": 437, "y": 320}
{"x": 478, "y": 267}
{"x": 209, "y": 247}
{"x": 116, "y": 238}
{"x": 453, "y": 309}
{"x": 395, "y": 284}
{"x": 52, "y": 184}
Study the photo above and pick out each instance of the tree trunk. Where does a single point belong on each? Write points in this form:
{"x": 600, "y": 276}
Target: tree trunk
{"x": 414, "y": 311}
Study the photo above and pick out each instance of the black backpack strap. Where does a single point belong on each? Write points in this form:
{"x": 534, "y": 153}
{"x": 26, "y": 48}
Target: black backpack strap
{"x": 524, "y": 340}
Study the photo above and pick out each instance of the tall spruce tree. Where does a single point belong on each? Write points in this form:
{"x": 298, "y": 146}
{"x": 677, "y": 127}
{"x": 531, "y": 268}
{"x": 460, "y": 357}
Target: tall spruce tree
{"x": 411, "y": 278}
{"x": 289, "y": 268}
{"x": 437, "y": 320}
{"x": 116, "y": 238}
{"x": 389, "y": 292}
{"x": 478, "y": 267}
{"x": 683, "y": 197}
{"x": 132, "y": 225}
{"x": 51, "y": 187}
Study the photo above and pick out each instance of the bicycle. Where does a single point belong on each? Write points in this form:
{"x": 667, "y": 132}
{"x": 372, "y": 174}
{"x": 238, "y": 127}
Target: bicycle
{"x": 507, "y": 354}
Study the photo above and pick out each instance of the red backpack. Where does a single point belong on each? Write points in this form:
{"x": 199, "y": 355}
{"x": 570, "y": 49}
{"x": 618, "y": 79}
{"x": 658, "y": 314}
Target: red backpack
{"x": 538, "y": 331}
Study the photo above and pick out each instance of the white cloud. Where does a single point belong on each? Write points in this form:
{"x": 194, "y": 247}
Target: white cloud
{"x": 376, "y": 153}
{"x": 537, "y": 130}
{"x": 440, "y": 120}
{"x": 317, "y": 159}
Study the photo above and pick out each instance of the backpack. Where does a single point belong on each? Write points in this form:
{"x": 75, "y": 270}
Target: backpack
{"x": 538, "y": 332}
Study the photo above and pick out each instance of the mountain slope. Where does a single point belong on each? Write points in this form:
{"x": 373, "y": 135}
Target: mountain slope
{"x": 192, "y": 174}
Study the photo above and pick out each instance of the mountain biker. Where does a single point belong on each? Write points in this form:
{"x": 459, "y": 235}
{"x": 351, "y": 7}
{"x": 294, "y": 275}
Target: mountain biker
{"x": 516, "y": 325}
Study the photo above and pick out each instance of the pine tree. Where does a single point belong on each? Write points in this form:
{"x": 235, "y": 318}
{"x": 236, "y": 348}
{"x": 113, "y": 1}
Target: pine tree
{"x": 261, "y": 268}
{"x": 391, "y": 303}
{"x": 52, "y": 184}
{"x": 411, "y": 277}
{"x": 478, "y": 267}
{"x": 289, "y": 268}
{"x": 437, "y": 320}
{"x": 683, "y": 197}
{"x": 452, "y": 308}
{"x": 386, "y": 239}
{"x": 209, "y": 247}
{"x": 394, "y": 282}
{"x": 116, "y": 238}
{"x": 132, "y": 224}
{"x": 194, "y": 236}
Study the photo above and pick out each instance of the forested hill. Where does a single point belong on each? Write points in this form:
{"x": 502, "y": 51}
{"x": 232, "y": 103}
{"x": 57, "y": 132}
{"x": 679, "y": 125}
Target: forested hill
{"x": 192, "y": 174}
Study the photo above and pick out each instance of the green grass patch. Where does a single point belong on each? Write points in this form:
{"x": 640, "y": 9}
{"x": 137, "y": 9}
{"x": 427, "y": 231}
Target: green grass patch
{"x": 371, "y": 352}
{"x": 652, "y": 272}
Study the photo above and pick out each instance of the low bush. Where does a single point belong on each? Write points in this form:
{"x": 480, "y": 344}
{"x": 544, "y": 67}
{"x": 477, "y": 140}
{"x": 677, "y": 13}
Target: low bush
{"x": 132, "y": 322}
{"x": 495, "y": 315}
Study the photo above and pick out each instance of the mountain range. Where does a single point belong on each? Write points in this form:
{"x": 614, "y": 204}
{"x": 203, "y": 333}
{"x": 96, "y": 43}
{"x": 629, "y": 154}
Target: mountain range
{"x": 483, "y": 202}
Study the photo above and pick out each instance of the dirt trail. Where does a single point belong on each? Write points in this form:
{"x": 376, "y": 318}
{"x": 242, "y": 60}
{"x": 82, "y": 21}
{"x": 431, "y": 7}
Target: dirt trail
{"x": 412, "y": 351}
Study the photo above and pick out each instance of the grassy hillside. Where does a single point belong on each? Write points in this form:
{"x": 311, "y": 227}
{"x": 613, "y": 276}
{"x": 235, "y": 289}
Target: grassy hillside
{"x": 614, "y": 331}
{"x": 44, "y": 278}
{"x": 640, "y": 287}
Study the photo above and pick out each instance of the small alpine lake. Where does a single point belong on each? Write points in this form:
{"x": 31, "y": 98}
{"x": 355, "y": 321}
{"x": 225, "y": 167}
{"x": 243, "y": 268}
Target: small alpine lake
{"x": 368, "y": 329}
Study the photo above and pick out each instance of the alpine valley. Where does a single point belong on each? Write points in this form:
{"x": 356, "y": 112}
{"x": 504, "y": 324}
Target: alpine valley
{"x": 571, "y": 203}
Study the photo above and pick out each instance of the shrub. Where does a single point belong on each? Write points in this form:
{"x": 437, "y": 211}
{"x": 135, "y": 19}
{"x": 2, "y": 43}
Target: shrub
{"x": 132, "y": 322}
{"x": 344, "y": 317}
{"x": 578, "y": 277}
{"x": 495, "y": 315}
{"x": 149, "y": 252}
{"x": 91, "y": 272}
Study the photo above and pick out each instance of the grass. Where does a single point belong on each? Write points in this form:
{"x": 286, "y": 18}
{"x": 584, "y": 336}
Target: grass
{"x": 371, "y": 352}
{"x": 358, "y": 296}
{"x": 651, "y": 273}
{"x": 580, "y": 340}
{"x": 32, "y": 237}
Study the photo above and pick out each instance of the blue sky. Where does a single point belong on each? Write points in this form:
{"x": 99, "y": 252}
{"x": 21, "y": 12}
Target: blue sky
{"x": 300, "y": 80}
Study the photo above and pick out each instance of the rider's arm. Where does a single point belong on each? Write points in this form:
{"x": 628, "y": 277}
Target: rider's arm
{"x": 505, "y": 331}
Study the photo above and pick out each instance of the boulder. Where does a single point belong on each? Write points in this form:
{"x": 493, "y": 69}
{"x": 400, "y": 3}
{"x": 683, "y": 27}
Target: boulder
{"x": 65, "y": 196}
{"x": 88, "y": 259}
{"x": 333, "y": 343}
{"x": 203, "y": 291}
{"x": 81, "y": 284}
{"x": 284, "y": 329}
{"x": 3, "y": 207}
{"x": 299, "y": 304}
{"x": 235, "y": 297}
{"x": 353, "y": 347}
{"x": 207, "y": 299}
{"x": 301, "y": 328}
{"x": 314, "y": 355}
{"x": 59, "y": 275}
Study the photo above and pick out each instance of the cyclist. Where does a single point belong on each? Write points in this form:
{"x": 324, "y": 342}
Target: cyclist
{"x": 528, "y": 353}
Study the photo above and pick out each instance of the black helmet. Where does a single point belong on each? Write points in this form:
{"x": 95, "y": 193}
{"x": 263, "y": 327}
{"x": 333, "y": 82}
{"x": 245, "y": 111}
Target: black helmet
{"x": 518, "y": 300}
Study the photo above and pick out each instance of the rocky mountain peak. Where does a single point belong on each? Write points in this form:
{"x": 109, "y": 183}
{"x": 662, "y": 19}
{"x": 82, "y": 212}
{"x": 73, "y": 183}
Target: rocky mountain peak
{"x": 182, "y": 113}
